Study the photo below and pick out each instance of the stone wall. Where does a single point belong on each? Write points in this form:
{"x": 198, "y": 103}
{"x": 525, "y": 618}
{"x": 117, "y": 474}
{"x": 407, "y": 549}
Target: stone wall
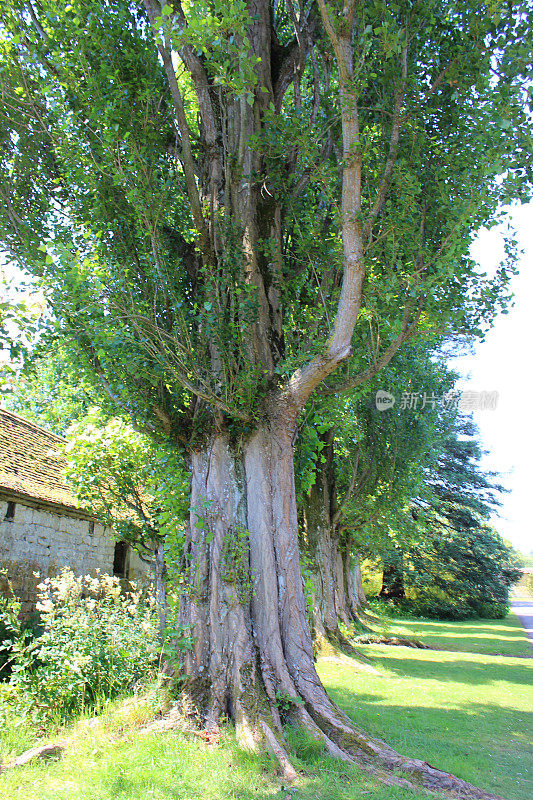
{"x": 38, "y": 543}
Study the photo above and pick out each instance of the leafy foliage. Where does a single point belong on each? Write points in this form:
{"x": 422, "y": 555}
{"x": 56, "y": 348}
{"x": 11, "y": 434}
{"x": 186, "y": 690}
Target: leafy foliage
{"x": 52, "y": 390}
{"x": 454, "y": 564}
{"x": 137, "y": 487}
{"x": 462, "y": 557}
{"x": 96, "y": 643}
{"x": 115, "y": 191}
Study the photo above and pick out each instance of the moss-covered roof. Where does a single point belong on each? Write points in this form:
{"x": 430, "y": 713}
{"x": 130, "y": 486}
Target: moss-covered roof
{"x": 32, "y": 465}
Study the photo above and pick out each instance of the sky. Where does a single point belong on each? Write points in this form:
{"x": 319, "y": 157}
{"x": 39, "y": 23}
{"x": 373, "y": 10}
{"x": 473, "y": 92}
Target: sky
{"x": 503, "y": 362}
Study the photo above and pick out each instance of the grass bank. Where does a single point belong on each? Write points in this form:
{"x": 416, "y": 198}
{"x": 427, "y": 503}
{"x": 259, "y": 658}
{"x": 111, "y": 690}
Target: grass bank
{"x": 463, "y": 710}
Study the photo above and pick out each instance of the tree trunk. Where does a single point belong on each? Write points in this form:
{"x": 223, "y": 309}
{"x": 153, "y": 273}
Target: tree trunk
{"x": 160, "y": 575}
{"x": 349, "y": 595}
{"x": 246, "y": 609}
{"x": 334, "y": 598}
{"x": 341, "y": 588}
{"x": 323, "y": 543}
{"x": 245, "y": 598}
{"x": 355, "y": 595}
{"x": 393, "y": 586}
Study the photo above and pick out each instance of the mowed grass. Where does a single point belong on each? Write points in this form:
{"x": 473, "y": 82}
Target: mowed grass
{"x": 463, "y": 710}
{"x": 498, "y": 636}
{"x": 460, "y": 709}
{"x": 171, "y": 765}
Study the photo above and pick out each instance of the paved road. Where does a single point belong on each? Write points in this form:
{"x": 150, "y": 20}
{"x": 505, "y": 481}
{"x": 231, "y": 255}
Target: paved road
{"x": 524, "y": 611}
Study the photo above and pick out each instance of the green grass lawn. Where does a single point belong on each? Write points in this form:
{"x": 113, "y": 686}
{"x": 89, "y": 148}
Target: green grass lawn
{"x": 463, "y": 710}
{"x": 498, "y": 636}
{"x": 164, "y": 766}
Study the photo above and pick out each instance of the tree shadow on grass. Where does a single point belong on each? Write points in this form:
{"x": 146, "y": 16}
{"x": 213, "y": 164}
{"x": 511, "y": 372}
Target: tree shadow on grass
{"x": 489, "y": 626}
{"x": 162, "y": 768}
{"x": 456, "y": 670}
{"x": 483, "y": 744}
{"x": 482, "y": 636}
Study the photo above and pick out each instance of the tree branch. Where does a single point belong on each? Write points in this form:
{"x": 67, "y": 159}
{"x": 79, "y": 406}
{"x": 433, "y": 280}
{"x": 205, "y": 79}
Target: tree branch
{"x": 295, "y": 54}
{"x": 154, "y": 10}
{"x": 203, "y": 89}
{"x": 393, "y": 150}
{"x": 305, "y": 380}
{"x": 407, "y": 331}
{"x": 163, "y": 346}
{"x": 349, "y": 490}
{"x": 36, "y": 22}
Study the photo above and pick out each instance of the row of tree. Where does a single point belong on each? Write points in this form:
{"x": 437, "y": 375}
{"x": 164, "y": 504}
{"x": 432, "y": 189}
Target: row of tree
{"x": 401, "y": 489}
{"x": 239, "y": 211}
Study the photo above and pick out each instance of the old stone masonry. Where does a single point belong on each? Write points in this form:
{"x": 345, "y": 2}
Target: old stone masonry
{"x": 42, "y": 527}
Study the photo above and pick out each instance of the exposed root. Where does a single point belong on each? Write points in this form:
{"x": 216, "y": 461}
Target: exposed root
{"x": 378, "y": 758}
{"x": 397, "y": 641}
{"x": 351, "y": 663}
{"x": 43, "y": 751}
{"x": 341, "y": 738}
{"x": 287, "y": 771}
{"x": 367, "y": 618}
{"x": 333, "y": 749}
{"x": 367, "y": 614}
{"x": 334, "y": 642}
{"x": 174, "y": 719}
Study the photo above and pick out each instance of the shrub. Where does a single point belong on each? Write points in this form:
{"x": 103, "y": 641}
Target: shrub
{"x": 13, "y": 629}
{"x": 96, "y": 643}
{"x": 434, "y": 608}
{"x": 9, "y": 633}
{"x": 439, "y": 609}
{"x": 492, "y": 610}
{"x": 388, "y": 608}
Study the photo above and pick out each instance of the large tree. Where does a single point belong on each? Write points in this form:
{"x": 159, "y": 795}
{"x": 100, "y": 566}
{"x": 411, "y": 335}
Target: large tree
{"x": 227, "y": 201}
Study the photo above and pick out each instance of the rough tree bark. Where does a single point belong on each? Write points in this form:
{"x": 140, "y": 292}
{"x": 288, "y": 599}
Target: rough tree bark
{"x": 160, "y": 575}
{"x": 354, "y": 582}
{"x": 253, "y": 642}
{"x": 322, "y": 543}
{"x": 338, "y": 592}
{"x": 252, "y": 638}
{"x": 350, "y": 586}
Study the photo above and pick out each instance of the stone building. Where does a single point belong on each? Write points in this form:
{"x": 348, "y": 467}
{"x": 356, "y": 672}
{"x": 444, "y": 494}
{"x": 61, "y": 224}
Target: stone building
{"x": 42, "y": 527}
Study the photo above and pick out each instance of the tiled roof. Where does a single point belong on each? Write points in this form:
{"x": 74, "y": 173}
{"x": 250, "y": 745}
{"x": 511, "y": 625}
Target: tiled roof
{"x": 31, "y": 462}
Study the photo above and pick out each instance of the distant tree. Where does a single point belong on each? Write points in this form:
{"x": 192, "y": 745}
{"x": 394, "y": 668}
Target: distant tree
{"x": 358, "y": 468}
{"x": 468, "y": 566}
{"x": 460, "y": 557}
